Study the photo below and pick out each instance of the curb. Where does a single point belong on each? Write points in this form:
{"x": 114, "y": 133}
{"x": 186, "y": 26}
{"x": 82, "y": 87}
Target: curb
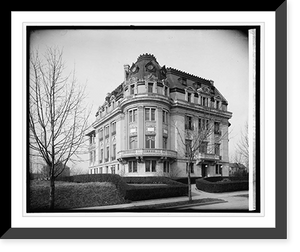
{"x": 196, "y": 204}
{"x": 153, "y": 206}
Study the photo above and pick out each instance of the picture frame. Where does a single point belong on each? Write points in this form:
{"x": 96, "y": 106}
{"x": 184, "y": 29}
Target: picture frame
{"x": 277, "y": 232}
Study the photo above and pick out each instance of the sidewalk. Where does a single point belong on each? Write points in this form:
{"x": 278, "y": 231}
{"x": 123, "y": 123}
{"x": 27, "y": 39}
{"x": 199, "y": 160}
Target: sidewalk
{"x": 220, "y": 198}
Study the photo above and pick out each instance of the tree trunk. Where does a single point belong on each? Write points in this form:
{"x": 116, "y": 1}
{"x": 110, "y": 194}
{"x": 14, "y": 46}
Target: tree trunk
{"x": 189, "y": 182}
{"x": 52, "y": 193}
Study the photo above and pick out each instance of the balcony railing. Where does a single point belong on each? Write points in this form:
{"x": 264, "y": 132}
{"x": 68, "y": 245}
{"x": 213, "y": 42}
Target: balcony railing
{"x": 147, "y": 152}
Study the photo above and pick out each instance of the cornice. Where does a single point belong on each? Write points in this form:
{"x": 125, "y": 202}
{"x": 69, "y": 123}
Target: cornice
{"x": 200, "y": 109}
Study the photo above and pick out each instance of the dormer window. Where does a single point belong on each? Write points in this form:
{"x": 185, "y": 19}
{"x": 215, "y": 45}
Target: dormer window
{"x": 189, "y": 97}
{"x": 166, "y": 90}
{"x": 204, "y": 101}
{"x": 183, "y": 81}
{"x": 217, "y": 104}
{"x": 150, "y": 87}
{"x": 131, "y": 89}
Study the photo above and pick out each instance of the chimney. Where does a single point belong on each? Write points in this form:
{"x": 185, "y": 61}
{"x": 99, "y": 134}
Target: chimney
{"x": 126, "y": 72}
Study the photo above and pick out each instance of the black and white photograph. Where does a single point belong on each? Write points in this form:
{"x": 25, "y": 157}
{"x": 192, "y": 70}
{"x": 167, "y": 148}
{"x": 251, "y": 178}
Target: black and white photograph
{"x": 148, "y": 125}
{"x": 143, "y": 119}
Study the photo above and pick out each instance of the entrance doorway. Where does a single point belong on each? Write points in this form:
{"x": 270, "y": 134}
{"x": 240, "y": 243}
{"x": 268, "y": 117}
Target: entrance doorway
{"x": 204, "y": 170}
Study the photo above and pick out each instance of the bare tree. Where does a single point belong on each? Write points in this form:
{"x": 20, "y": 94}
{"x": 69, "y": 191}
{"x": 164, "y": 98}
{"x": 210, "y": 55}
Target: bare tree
{"x": 242, "y": 148}
{"x": 57, "y": 115}
{"x": 195, "y": 140}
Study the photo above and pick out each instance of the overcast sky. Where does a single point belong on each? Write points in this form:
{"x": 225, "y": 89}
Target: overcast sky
{"x": 99, "y": 55}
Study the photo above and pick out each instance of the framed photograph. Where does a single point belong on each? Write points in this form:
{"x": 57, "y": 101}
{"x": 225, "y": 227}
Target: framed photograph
{"x": 143, "y": 128}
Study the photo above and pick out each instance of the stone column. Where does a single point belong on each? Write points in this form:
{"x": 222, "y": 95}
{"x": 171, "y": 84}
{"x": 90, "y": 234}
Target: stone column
{"x": 140, "y": 127}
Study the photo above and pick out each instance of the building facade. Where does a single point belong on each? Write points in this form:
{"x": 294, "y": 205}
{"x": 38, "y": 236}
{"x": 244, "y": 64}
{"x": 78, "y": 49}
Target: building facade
{"x": 144, "y": 126}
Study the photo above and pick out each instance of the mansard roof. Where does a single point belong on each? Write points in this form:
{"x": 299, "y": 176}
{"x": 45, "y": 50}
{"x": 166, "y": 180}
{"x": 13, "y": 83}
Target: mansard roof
{"x": 147, "y": 65}
{"x": 189, "y": 76}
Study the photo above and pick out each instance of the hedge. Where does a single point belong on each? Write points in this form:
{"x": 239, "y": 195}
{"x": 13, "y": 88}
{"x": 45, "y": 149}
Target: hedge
{"x": 222, "y": 184}
{"x": 113, "y": 178}
{"x": 168, "y": 187}
{"x": 140, "y": 192}
{"x": 184, "y": 180}
{"x": 150, "y": 180}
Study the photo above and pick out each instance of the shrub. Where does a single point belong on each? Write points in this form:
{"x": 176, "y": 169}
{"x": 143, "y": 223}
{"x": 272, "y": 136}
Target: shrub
{"x": 73, "y": 195}
{"x": 184, "y": 180}
{"x": 113, "y": 178}
{"x": 222, "y": 184}
{"x": 141, "y": 192}
{"x": 168, "y": 187}
{"x": 150, "y": 180}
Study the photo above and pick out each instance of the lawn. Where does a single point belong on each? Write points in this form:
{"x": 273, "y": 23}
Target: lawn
{"x": 73, "y": 195}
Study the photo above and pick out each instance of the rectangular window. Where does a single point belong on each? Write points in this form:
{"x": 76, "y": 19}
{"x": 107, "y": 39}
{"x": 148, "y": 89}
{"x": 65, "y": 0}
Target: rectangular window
{"x": 165, "y": 142}
{"x": 147, "y": 165}
{"x": 101, "y": 156}
{"x": 107, "y": 131}
{"x": 131, "y": 89}
{"x": 166, "y": 166}
{"x": 113, "y": 157}
{"x": 200, "y": 124}
{"x": 101, "y": 134}
{"x": 150, "y": 165}
{"x": 150, "y": 87}
{"x": 188, "y": 147}
{"x": 106, "y": 169}
{"x": 107, "y": 153}
{"x": 203, "y": 124}
{"x": 147, "y": 114}
{"x": 217, "y": 104}
{"x": 113, "y": 128}
{"x": 204, "y": 101}
{"x": 203, "y": 147}
{"x": 150, "y": 114}
{"x": 191, "y": 167}
{"x": 133, "y": 142}
{"x": 166, "y": 90}
{"x": 153, "y": 167}
{"x": 189, "y": 97}
{"x": 217, "y": 128}
{"x": 165, "y": 117}
{"x": 132, "y": 166}
{"x": 132, "y": 115}
{"x": 217, "y": 149}
{"x": 218, "y": 169}
{"x": 150, "y": 142}
{"x": 100, "y": 170}
{"x": 189, "y": 123}
{"x": 113, "y": 169}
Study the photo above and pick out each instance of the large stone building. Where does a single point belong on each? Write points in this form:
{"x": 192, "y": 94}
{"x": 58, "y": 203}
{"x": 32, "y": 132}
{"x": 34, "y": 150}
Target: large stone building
{"x": 145, "y": 124}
